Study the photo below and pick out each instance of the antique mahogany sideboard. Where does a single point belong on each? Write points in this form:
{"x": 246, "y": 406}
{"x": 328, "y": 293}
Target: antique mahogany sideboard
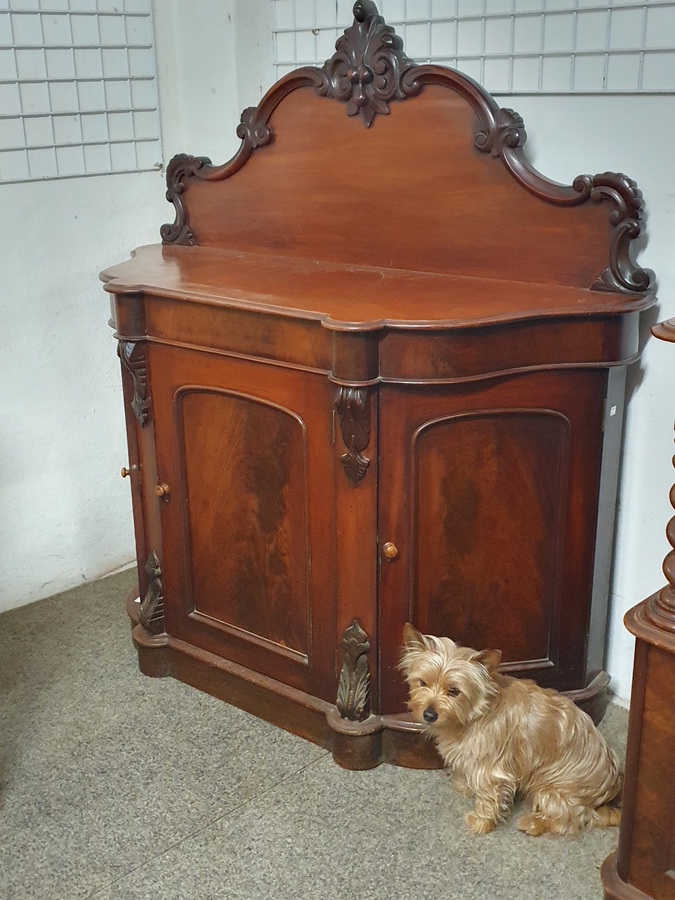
{"x": 374, "y": 373}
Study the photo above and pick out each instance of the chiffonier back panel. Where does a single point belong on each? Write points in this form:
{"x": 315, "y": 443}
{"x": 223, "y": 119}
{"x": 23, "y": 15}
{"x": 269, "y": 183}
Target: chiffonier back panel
{"x": 410, "y": 192}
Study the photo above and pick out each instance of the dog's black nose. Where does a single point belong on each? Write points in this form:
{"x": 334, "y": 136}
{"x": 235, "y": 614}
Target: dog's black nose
{"x": 430, "y": 715}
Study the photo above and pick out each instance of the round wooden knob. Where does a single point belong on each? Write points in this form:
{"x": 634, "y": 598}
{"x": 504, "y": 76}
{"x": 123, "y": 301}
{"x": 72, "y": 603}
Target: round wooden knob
{"x": 125, "y": 473}
{"x": 389, "y": 550}
{"x": 162, "y": 490}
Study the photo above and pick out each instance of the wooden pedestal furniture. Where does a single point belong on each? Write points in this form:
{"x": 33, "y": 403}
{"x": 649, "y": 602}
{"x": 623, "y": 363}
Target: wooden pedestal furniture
{"x": 644, "y": 866}
{"x": 374, "y": 374}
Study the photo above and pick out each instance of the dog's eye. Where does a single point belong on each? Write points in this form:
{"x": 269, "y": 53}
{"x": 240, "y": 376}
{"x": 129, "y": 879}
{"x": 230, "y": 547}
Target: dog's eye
{"x": 422, "y": 683}
{"x": 454, "y": 691}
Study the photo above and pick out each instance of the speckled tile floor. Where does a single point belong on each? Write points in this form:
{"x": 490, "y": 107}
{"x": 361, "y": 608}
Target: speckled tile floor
{"x": 114, "y": 785}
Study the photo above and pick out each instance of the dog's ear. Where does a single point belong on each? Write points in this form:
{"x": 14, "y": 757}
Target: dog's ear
{"x": 414, "y": 639}
{"x": 489, "y": 658}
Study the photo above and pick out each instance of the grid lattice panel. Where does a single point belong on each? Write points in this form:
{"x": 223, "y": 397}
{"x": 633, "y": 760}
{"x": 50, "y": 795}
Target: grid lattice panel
{"x": 510, "y": 46}
{"x": 78, "y": 89}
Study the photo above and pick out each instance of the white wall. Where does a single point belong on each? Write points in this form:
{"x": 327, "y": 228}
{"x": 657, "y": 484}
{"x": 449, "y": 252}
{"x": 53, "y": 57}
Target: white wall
{"x": 65, "y": 511}
{"x": 211, "y": 64}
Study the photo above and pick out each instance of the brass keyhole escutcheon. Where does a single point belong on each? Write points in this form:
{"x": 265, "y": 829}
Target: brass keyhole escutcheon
{"x": 162, "y": 490}
{"x": 389, "y": 550}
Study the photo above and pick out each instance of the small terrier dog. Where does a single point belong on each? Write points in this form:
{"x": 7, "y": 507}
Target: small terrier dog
{"x": 503, "y": 736}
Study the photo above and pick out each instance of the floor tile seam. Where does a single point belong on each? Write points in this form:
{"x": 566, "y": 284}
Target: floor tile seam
{"x": 155, "y": 856}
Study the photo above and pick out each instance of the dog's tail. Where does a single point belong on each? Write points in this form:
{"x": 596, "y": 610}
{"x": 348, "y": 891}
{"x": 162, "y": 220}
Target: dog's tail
{"x": 609, "y": 814}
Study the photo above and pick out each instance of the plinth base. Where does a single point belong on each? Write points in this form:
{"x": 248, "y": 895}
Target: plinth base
{"x": 394, "y": 739}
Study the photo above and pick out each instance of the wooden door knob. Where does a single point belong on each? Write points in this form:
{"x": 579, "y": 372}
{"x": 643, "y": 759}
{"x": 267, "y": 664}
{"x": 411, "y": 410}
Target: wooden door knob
{"x": 389, "y": 550}
{"x": 162, "y": 490}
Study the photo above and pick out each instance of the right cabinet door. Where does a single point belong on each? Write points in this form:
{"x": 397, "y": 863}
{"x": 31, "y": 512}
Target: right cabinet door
{"x": 489, "y": 490}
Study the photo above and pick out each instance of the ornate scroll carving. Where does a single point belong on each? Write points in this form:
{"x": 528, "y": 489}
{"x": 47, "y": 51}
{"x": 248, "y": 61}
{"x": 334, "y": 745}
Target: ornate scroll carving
{"x": 151, "y": 613}
{"x": 368, "y": 71}
{"x": 367, "y": 68}
{"x": 180, "y": 168}
{"x": 353, "y": 695}
{"x": 133, "y": 360}
{"x": 506, "y": 129}
{"x": 623, "y": 192}
{"x": 353, "y": 411}
{"x": 504, "y": 136}
{"x": 253, "y": 129}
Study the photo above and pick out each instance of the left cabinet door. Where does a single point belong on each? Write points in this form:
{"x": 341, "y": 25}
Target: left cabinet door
{"x": 244, "y": 451}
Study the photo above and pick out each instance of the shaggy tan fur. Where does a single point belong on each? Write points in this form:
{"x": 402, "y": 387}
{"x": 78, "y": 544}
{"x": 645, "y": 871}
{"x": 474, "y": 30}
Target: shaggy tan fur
{"x": 501, "y": 736}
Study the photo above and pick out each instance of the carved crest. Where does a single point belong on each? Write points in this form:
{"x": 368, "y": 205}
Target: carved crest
{"x": 151, "y": 613}
{"x": 353, "y": 411}
{"x": 133, "y": 360}
{"x": 353, "y": 696}
{"x": 366, "y": 70}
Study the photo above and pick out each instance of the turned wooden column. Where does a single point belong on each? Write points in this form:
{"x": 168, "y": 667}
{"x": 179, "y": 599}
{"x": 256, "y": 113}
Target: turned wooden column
{"x": 644, "y": 865}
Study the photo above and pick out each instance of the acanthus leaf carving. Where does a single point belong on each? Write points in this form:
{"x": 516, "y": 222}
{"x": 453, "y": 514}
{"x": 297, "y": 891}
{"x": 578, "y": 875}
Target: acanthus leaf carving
{"x": 151, "y": 612}
{"x": 133, "y": 360}
{"x": 366, "y": 71}
{"x": 352, "y": 406}
{"x": 353, "y": 694}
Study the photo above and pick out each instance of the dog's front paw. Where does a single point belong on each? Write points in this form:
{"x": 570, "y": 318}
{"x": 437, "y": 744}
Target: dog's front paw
{"x": 478, "y": 824}
{"x": 533, "y": 824}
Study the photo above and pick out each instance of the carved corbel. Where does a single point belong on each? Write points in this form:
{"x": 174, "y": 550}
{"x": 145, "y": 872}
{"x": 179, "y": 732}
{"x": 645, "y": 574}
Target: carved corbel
{"x": 151, "y": 612}
{"x": 353, "y": 695}
{"x": 133, "y": 360}
{"x": 353, "y": 409}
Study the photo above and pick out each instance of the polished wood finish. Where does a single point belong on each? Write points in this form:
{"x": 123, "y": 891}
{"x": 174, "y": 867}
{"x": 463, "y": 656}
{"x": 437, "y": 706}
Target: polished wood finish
{"x": 497, "y": 486}
{"x": 644, "y": 865}
{"x": 374, "y": 375}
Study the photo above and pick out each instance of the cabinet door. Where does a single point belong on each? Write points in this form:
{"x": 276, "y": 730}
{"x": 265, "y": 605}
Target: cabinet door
{"x": 490, "y": 490}
{"x": 248, "y": 546}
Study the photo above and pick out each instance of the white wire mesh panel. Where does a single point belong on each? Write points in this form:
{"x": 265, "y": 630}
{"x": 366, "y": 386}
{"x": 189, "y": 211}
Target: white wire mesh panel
{"x": 78, "y": 90}
{"x": 510, "y": 46}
